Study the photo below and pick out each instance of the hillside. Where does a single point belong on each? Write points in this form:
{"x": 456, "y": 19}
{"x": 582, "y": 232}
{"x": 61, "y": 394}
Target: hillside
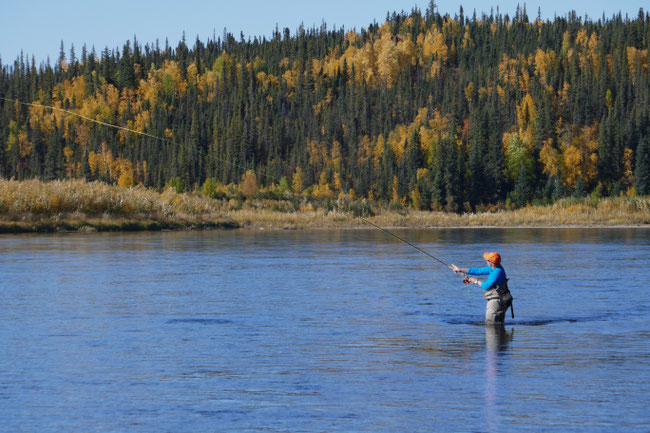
{"x": 426, "y": 111}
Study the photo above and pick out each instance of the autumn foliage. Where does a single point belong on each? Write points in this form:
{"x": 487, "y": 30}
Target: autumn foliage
{"x": 429, "y": 111}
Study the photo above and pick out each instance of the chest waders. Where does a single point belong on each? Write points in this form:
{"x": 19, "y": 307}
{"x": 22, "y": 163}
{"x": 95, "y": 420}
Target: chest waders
{"x": 499, "y": 300}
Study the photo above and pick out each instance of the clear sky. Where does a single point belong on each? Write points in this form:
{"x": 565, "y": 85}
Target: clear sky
{"x": 37, "y": 27}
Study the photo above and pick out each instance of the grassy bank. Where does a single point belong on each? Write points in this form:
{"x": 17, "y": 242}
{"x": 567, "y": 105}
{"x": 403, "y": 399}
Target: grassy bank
{"x": 567, "y": 212}
{"x": 74, "y": 205}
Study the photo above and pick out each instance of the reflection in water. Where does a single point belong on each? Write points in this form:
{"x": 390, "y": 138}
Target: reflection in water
{"x": 496, "y": 343}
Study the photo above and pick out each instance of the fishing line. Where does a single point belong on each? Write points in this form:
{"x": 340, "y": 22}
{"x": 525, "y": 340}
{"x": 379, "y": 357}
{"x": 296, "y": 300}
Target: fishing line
{"x": 110, "y": 125}
{"x": 86, "y": 118}
{"x": 90, "y": 119}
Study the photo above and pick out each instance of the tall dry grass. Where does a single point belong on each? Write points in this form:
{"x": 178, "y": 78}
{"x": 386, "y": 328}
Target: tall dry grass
{"x": 615, "y": 211}
{"x": 103, "y": 206}
{"x": 611, "y": 211}
{"x": 94, "y": 198}
{"x": 33, "y": 205}
{"x": 568, "y": 212}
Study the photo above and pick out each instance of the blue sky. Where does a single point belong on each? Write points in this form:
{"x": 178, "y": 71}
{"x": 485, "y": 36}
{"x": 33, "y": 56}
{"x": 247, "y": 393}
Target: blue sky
{"x": 37, "y": 26}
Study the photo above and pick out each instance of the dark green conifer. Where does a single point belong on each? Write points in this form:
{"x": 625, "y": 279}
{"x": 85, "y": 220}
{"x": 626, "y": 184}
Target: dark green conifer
{"x": 642, "y": 170}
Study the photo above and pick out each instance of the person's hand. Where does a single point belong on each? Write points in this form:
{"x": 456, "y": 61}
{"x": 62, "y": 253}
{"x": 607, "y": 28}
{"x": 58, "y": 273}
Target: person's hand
{"x": 455, "y": 268}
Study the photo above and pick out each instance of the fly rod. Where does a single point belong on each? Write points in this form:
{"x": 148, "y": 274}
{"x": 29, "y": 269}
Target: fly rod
{"x": 403, "y": 240}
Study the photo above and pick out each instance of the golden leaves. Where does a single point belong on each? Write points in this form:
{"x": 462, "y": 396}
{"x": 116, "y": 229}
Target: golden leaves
{"x": 69, "y": 161}
{"x": 24, "y": 145}
{"x": 407, "y": 52}
{"x": 450, "y": 26}
{"x": 508, "y": 70}
{"x": 249, "y": 186}
{"x": 126, "y": 178}
{"x": 469, "y": 91}
{"x": 397, "y": 140}
{"x": 395, "y": 198}
{"x": 628, "y": 172}
{"x": 290, "y": 77}
{"x": 318, "y": 152}
{"x": 171, "y": 71}
{"x": 379, "y": 149}
{"x": 468, "y": 42}
{"x": 526, "y": 118}
{"x": 545, "y": 61}
{"x": 592, "y": 50}
{"x": 582, "y": 38}
{"x": 550, "y": 158}
{"x": 323, "y": 189}
{"x": 579, "y": 153}
{"x": 387, "y": 60}
{"x": 192, "y": 73}
{"x": 436, "y": 67}
{"x": 637, "y": 59}
{"x": 96, "y": 163}
{"x": 82, "y": 132}
{"x": 298, "y": 181}
{"x": 434, "y": 46}
{"x": 117, "y": 169}
{"x": 364, "y": 149}
{"x": 351, "y": 37}
{"x": 41, "y": 117}
{"x": 322, "y": 155}
{"x": 502, "y": 93}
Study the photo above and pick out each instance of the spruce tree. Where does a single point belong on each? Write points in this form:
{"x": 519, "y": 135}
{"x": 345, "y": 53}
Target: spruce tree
{"x": 642, "y": 170}
{"x": 523, "y": 191}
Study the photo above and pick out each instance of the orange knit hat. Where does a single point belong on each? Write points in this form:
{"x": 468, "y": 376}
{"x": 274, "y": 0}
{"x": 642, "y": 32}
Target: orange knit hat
{"x": 494, "y": 257}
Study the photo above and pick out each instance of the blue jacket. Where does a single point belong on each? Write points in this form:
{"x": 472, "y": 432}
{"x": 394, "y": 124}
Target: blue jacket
{"x": 496, "y": 276}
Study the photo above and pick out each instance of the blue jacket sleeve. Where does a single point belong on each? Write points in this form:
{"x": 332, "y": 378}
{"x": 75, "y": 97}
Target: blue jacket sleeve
{"x": 480, "y": 271}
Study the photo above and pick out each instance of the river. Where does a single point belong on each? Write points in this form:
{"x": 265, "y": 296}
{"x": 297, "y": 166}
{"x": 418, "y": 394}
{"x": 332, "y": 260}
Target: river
{"x": 314, "y": 331}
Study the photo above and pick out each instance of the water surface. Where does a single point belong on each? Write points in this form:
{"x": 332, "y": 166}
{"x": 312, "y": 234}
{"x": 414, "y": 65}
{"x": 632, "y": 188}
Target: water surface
{"x": 323, "y": 331}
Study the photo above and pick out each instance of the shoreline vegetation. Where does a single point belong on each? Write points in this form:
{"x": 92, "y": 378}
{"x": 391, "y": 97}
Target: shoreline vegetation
{"x": 35, "y": 206}
{"x": 497, "y": 120}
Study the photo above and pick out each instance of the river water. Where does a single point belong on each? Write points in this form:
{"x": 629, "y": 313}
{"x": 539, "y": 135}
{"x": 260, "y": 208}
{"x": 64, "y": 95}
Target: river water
{"x": 323, "y": 331}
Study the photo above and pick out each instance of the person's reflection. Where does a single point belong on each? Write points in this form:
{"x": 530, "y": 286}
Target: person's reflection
{"x": 496, "y": 343}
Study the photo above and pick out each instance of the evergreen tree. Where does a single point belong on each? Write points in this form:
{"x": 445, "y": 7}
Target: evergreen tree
{"x": 558, "y": 190}
{"x": 642, "y": 170}
{"x": 579, "y": 190}
{"x": 448, "y": 92}
{"x": 523, "y": 191}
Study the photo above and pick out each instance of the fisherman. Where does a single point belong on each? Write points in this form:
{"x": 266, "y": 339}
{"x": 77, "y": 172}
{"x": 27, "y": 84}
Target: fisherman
{"x": 495, "y": 288}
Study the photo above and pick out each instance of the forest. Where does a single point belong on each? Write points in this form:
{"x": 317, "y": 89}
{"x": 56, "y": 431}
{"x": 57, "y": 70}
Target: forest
{"x": 424, "y": 110}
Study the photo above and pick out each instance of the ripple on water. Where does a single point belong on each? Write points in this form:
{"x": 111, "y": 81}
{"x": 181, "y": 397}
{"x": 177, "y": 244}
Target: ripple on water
{"x": 200, "y": 321}
{"x": 533, "y": 321}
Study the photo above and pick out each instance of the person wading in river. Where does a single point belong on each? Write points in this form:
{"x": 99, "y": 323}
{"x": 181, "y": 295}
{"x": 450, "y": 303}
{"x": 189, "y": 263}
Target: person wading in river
{"x": 495, "y": 288}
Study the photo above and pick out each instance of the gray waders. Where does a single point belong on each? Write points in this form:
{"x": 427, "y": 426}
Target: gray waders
{"x": 499, "y": 300}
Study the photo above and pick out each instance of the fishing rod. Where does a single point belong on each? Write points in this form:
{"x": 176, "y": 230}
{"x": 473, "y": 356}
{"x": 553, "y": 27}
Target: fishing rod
{"x": 90, "y": 119}
{"x": 465, "y": 276}
{"x": 404, "y": 240}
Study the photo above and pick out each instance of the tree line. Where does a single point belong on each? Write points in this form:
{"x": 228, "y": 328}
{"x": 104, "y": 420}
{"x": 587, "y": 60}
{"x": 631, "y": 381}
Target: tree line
{"x": 424, "y": 110}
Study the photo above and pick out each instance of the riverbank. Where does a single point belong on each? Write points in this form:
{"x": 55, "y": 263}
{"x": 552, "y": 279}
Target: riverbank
{"x": 75, "y": 205}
